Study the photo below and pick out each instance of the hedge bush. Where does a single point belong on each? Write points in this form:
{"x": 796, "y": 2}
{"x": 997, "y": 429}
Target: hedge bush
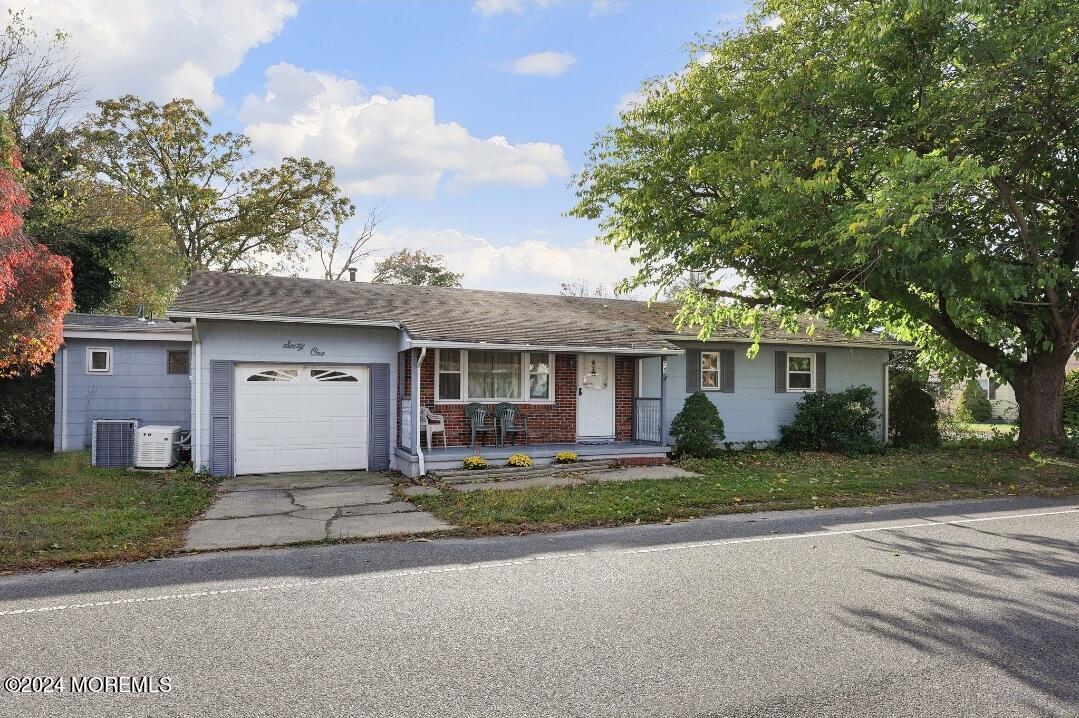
{"x": 1071, "y": 399}
{"x": 974, "y": 403}
{"x": 697, "y": 428}
{"x": 912, "y": 411}
{"x": 27, "y": 410}
{"x": 845, "y": 421}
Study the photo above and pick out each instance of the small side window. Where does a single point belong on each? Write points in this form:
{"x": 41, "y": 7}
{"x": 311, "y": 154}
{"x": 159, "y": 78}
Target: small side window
{"x": 710, "y": 371}
{"x": 98, "y": 360}
{"x": 179, "y": 362}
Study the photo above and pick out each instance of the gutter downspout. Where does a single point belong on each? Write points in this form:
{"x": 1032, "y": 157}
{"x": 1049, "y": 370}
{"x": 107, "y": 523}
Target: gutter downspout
{"x": 887, "y": 393}
{"x": 196, "y": 403}
{"x": 63, "y": 399}
{"x": 416, "y": 410}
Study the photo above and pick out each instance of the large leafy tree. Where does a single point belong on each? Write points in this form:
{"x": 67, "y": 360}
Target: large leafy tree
{"x": 221, "y": 212}
{"x": 35, "y": 285}
{"x": 416, "y": 267}
{"x": 902, "y": 164}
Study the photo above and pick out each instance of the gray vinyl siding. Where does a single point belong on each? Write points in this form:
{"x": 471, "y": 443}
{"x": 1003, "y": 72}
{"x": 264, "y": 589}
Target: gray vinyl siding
{"x": 139, "y": 387}
{"x": 263, "y": 343}
{"x": 754, "y": 411}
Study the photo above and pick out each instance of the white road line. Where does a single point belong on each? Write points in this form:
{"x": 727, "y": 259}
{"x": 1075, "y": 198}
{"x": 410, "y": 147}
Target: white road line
{"x": 692, "y": 545}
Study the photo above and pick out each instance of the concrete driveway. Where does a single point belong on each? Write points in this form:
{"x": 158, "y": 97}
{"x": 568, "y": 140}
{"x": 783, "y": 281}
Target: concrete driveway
{"x": 275, "y": 509}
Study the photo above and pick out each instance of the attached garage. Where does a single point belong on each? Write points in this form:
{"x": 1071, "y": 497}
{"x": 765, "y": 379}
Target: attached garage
{"x": 291, "y": 417}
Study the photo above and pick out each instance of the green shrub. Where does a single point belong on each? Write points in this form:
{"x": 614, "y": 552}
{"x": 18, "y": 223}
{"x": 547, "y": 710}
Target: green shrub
{"x": 27, "y": 409}
{"x": 845, "y": 421}
{"x": 912, "y": 411}
{"x": 697, "y": 428}
{"x": 1071, "y": 399}
{"x": 975, "y": 404}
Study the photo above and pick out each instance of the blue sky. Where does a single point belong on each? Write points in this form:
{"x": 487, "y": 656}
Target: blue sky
{"x": 404, "y": 99}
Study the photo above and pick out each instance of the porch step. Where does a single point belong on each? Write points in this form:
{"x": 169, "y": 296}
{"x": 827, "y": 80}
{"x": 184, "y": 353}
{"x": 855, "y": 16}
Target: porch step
{"x": 466, "y": 476}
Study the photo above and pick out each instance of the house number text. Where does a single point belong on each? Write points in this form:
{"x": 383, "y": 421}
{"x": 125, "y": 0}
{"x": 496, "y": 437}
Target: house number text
{"x": 299, "y": 346}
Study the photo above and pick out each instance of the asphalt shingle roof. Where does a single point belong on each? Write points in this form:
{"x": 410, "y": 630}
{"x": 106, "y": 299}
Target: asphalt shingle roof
{"x": 119, "y": 323}
{"x": 463, "y": 315}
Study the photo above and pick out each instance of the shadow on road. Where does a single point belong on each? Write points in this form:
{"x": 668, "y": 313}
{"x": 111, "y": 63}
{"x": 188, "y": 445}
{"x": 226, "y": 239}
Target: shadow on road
{"x": 971, "y": 610}
{"x": 199, "y": 572}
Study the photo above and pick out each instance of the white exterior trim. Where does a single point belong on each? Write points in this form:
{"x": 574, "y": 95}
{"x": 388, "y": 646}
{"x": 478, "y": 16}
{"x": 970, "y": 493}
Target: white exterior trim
{"x": 812, "y": 372}
{"x": 63, "y": 401}
{"x": 719, "y": 371}
{"x": 90, "y": 358}
{"x": 557, "y": 348}
{"x": 525, "y": 373}
{"x": 799, "y": 342}
{"x": 137, "y": 335}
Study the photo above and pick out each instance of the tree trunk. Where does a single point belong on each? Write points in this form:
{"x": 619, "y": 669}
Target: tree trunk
{"x": 1039, "y": 391}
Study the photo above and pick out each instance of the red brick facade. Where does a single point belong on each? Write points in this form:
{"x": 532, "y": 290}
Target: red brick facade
{"x": 548, "y": 423}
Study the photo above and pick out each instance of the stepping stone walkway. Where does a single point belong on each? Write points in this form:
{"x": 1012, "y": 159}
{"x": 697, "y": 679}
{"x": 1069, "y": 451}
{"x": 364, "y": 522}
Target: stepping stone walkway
{"x": 276, "y": 509}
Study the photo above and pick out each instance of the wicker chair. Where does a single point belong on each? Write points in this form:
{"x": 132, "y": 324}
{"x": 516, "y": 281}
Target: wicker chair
{"x": 511, "y": 422}
{"x": 477, "y": 418}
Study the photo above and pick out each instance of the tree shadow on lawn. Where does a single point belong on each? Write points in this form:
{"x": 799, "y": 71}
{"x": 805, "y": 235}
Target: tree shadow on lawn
{"x": 1001, "y": 607}
{"x": 313, "y": 562}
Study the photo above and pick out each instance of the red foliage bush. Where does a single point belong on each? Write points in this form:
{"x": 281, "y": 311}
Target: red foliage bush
{"x": 35, "y": 284}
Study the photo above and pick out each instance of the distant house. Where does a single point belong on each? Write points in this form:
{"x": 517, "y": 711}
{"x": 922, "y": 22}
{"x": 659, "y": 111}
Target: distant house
{"x": 282, "y": 374}
{"x": 1001, "y": 396}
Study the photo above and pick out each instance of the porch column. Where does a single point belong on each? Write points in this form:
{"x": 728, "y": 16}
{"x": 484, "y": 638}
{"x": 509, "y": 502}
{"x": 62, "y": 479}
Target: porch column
{"x": 415, "y": 373}
{"x": 662, "y": 398}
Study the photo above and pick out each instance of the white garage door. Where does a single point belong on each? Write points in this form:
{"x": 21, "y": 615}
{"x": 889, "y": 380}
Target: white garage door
{"x": 300, "y": 418}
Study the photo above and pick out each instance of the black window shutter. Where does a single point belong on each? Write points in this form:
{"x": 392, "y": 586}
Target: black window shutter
{"x": 992, "y": 390}
{"x": 822, "y": 374}
{"x": 726, "y": 370}
{"x": 378, "y": 452}
{"x": 781, "y": 372}
{"x": 220, "y": 418}
{"x": 693, "y": 370}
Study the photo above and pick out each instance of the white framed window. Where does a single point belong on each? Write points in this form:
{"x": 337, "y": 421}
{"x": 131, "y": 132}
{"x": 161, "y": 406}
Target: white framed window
{"x": 984, "y": 384}
{"x": 463, "y": 375}
{"x": 801, "y": 372}
{"x": 99, "y": 360}
{"x": 448, "y": 375}
{"x": 710, "y": 371}
{"x": 539, "y": 375}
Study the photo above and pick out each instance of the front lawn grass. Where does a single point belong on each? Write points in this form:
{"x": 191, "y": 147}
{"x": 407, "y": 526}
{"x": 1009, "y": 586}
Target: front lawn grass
{"x": 756, "y": 481}
{"x": 56, "y": 509}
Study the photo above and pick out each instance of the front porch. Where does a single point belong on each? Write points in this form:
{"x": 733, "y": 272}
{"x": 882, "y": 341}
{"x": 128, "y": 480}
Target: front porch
{"x": 600, "y": 405}
{"x": 630, "y": 452}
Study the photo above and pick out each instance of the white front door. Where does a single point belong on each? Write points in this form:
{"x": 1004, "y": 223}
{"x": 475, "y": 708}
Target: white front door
{"x": 595, "y": 396}
{"x": 300, "y": 418}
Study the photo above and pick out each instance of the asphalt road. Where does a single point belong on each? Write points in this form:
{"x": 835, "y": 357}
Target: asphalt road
{"x": 953, "y": 609}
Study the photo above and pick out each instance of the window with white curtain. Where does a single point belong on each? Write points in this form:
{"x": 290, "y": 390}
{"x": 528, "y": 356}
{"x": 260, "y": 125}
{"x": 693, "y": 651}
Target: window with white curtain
{"x": 491, "y": 375}
{"x": 494, "y": 375}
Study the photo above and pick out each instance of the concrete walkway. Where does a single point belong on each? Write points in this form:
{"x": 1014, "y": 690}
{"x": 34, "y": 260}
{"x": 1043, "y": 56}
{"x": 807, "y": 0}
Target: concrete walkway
{"x": 275, "y": 509}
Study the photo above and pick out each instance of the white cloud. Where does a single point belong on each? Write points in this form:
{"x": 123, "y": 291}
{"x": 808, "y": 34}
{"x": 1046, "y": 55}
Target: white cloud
{"x": 382, "y": 145}
{"x": 547, "y": 63}
{"x": 160, "y": 50}
{"x": 531, "y": 265}
{"x": 488, "y": 8}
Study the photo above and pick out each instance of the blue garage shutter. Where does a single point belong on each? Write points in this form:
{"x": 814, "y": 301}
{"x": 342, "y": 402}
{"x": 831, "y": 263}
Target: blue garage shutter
{"x": 378, "y": 457}
{"x": 221, "y": 418}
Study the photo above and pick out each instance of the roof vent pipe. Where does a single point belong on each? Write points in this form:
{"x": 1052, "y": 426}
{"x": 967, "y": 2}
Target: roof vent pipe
{"x": 352, "y": 274}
